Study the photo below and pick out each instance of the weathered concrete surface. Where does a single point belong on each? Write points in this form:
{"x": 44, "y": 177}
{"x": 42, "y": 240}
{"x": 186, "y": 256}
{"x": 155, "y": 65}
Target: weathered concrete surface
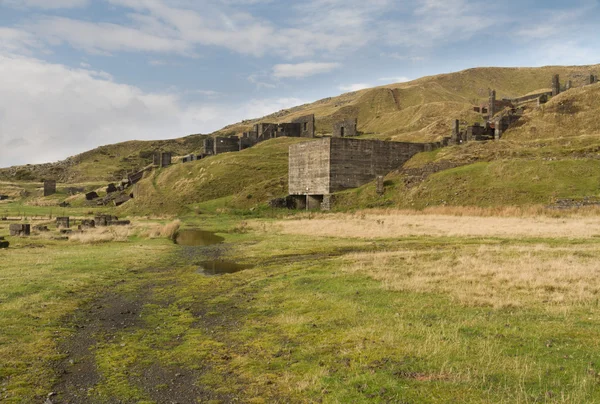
{"x": 330, "y": 165}
{"x": 19, "y": 230}
{"x": 49, "y": 187}
{"x": 63, "y": 222}
{"x": 347, "y": 128}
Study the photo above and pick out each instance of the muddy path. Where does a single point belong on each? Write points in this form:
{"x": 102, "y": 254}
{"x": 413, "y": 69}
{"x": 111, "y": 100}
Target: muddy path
{"x": 116, "y": 313}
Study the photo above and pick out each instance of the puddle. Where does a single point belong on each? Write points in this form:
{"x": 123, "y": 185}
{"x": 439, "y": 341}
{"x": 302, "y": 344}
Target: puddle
{"x": 197, "y": 238}
{"x": 217, "y": 267}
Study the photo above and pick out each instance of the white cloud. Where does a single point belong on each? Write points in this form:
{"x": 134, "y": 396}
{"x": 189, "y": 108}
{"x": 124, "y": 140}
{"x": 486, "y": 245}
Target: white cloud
{"x": 104, "y": 37}
{"x": 398, "y": 79}
{"x": 17, "y": 41}
{"x": 436, "y": 22}
{"x": 355, "y": 87}
{"x": 50, "y": 111}
{"x": 305, "y": 69}
{"x": 45, "y": 4}
{"x": 181, "y": 26}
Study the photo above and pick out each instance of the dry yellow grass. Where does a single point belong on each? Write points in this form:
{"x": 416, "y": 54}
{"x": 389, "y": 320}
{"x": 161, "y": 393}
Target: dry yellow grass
{"x": 102, "y": 234}
{"x": 122, "y": 233}
{"x": 409, "y": 224}
{"x": 497, "y": 276}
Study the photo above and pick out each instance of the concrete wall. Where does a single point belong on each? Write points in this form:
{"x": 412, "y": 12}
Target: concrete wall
{"x": 309, "y": 167}
{"x": 289, "y": 129}
{"x": 226, "y": 144}
{"x": 334, "y": 164}
{"x": 307, "y": 125}
{"x": 49, "y": 187}
{"x": 347, "y": 128}
{"x": 355, "y": 162}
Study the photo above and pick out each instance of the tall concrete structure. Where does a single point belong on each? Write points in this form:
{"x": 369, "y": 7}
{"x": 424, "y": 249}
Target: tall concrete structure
{"x": 456, "y": 132}
{"x": 492, "y": 104}
{"x": 49, "y": 187}
{"x": 322, "y": 167}
{"x": 555, "y": 85}
{"x": 162, "y": 159}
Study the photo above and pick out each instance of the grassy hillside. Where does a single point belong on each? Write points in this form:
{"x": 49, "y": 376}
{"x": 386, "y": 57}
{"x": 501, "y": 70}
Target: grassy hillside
{"x": 105, "y": 163}
{"x": 420, "y": 110}
{"x": 237, "y": 180}
{"x": 552, "y": 153}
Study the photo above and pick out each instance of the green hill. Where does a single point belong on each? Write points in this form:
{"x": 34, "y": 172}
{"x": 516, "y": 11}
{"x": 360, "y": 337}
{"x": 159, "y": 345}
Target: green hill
{"x": 565, "y": 129}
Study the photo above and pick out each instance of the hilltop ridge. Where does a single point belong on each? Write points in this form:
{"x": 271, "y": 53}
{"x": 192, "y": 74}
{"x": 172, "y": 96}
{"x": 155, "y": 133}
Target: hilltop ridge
{"x": 420, "y": 110}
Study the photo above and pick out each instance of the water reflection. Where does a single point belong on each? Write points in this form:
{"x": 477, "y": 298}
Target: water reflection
{"x": 195, "y": 237}
{"x": 218, "y": 267}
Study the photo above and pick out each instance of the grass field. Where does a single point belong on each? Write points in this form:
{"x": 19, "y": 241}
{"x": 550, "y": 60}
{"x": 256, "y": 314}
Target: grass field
{"x": 376, "y": 306}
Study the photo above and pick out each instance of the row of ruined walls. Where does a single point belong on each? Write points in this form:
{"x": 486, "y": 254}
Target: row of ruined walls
{"x": 505, "y": 112}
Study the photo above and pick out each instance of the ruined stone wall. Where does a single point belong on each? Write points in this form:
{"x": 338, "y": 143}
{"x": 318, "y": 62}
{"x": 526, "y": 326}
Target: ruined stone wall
{"x": 555, "y": 85}
{"x": 356, "y": 162}
{"x": 307, "y": 125}
{"x": 532, "y": 97}
{"x": 289, "y": 129}
{"x": 208, "y": 145}
{"x": 309, "y": 167}
{"x": 226, "y": 145}
{"x": 265, "y": 131}
{"x": 347, "y": 128}
{"x": 49, "y": 187}
{"x": 165, "y": 159}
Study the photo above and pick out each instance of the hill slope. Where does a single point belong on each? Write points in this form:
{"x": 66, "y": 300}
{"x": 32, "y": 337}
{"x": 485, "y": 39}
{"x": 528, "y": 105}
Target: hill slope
{"x": 420, "y": 110}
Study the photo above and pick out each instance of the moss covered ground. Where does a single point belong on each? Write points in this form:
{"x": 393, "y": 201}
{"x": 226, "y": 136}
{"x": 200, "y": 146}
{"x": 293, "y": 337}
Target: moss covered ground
{"x": 328, "y": 318}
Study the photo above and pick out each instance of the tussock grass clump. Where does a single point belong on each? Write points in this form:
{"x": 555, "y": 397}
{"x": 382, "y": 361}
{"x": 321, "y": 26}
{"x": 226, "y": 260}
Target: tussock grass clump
{"x": 103, "y": 235}
{"x": 158, "y": 230}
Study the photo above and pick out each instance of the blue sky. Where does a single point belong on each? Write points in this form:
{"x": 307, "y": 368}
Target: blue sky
{"x": 76, "y": 74}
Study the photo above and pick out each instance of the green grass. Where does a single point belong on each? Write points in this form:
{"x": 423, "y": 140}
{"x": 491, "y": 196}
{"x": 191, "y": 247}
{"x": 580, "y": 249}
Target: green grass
{"x": 305, "y": 324}
{"x": 43, "y": 281}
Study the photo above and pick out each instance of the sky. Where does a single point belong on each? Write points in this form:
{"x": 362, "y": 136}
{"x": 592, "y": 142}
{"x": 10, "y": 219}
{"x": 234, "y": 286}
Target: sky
{"x": 77, "y": 74}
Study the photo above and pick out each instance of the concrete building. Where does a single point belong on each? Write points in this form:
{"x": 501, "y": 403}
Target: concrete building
{"x": 346, "y": 128}
{"x": 49, "y": 187}
{"x": 322, "y": 167}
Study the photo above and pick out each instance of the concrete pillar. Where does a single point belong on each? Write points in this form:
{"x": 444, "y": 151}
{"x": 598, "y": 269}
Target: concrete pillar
{"x": 492, "y": 106}
{"x": 592, "y": 79}
{"x": 380, "y": 185}
{"x": 555, "y": 85}
{"x": 456, "y": 131}
{"x": 569, "y": 85}
{"x": 49, "y": 187}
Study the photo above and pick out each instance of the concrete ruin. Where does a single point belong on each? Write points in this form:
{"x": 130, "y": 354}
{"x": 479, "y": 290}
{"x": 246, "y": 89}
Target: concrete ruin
{"x": 3, "y": 243}
{"x": 188, "y": 158}
{"x": 555, "y": 85}
{"x": 87, "y": 224}
{"x": 303, "y": 126}
{"x": 111, "y": 188}
{"x": 19, "y": 230}
{"x": 64, "y": 222}
{"x": 319, "y": 168}
{"x": 90, "y": 196}
{"x": 162, "y": 159}
{"x": 49, "y": 187}
{"x": 108, "y": 220}
{"x": 345, "y": 128}
{"x": 3, "y": 197}
{"x": 121, "y": 199}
